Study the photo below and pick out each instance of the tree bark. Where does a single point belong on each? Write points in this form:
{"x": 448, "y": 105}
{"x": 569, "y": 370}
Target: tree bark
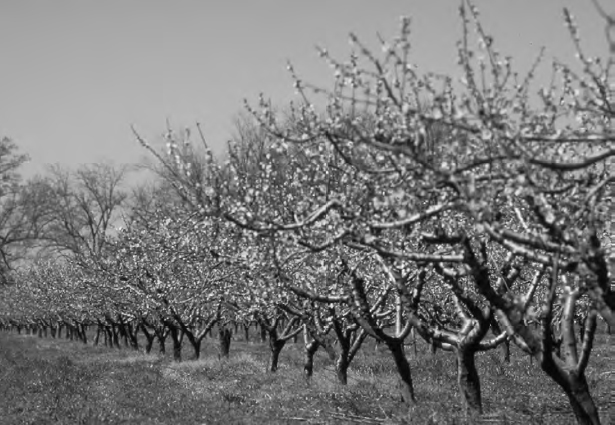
{"x": 149, "y": 338}
{"x": 99, "y": 330}
{"x": 406, "y": 387}
{"x": 177, "y": 350}
{"x": 108, "y": 337}
{"x": 177, "y": 343}
{"x": 224, "y": 337}
{"x": 308, "y": 364}
{"x": 246, "y": 332}
{"x": 277, "y": 341}
{"x": 162, "y": 347}
{"x": 576, "y": 389}
{"x": 196, "y": 347}
{"x": 133, "y": 335}
{"x": 276, "y": 349}
{"x": 149, "y": 344}
{"x": 195, "y": 343}
{"x": 84, "y": 333}
{"x": 123, "y": 330}
{"x": 468, "y": 380}
{"x": 116, "y": 336}
{"x": 350, "y": 341}
{"x": 341, "y": 370}
{"x": 582, "y": 403}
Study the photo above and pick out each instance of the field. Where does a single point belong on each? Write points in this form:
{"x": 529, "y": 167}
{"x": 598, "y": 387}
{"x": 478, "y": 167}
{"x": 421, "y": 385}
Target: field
{"x": 51, "y": 381}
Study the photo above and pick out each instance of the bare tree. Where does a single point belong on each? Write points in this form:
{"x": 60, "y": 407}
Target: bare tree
{"x": 81, "y": 207}
{"x": 19, "y": 216}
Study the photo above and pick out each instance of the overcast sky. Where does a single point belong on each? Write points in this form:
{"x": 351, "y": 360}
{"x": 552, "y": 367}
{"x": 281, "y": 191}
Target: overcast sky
{"x": 76, "y": 74}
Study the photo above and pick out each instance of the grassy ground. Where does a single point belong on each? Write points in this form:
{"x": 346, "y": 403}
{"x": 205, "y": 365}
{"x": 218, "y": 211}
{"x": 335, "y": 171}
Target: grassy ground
{"x": 48, "y": 381}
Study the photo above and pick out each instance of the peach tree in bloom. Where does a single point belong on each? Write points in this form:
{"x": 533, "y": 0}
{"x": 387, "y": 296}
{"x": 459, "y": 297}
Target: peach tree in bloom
{"x": 487, "y": 189}
{"x": 464, "y": 174}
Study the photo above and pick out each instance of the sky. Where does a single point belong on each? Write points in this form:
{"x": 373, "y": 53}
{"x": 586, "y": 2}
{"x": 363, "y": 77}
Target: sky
{"x": 76, "y": 74}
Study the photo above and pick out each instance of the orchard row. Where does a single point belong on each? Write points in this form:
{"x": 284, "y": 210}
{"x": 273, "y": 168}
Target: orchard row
{"x": 472, "y": 211}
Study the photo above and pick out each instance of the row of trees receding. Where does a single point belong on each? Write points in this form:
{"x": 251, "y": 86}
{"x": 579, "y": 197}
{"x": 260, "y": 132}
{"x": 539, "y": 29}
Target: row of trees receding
{"x": 472, "y": 212}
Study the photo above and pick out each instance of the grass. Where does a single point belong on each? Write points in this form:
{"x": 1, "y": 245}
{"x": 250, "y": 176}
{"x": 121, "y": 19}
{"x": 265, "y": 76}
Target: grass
{"x": 49, "y": 381}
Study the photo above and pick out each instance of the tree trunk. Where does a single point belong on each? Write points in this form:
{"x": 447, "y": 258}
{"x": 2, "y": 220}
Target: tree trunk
{"x": 162, "y": 344}
{"x": 468, "y": 380}
{"x": 123, "y": 330}
{"x": 582, "y": 403}
{"x": 341, "y": 369}
{"x": 133, "y": 334}
{"x": 108, "y": 336}
{"x": 576, "y": 389}
{"x": 116, "y": 334}
{"x": 77, "y": 333}
{"x": 177, "y": 343}
{"x": 196, "y": 346}
{"x": 276, "y": 349}
{"x": 224, "y": 337}
{"x": 406, "y": 388}
{"x": 84, "y": 333}
{"x": 97, "y": 337}
{"x": 149, "y": 339}
{"x": 246, "y": 332}
{"x": 309, "y": 352}
{"x": 149, "y": 344}
{"x": 177, "y": 350}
